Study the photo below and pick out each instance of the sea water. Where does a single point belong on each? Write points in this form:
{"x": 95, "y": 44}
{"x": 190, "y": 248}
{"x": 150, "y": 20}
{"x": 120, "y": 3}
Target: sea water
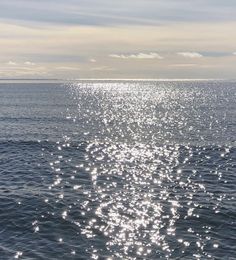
{"x": 118, "y": 170}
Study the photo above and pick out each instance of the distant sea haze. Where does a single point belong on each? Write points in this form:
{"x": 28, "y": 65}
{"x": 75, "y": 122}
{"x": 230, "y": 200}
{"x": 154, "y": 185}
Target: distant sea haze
{"x": 117, "y": 169}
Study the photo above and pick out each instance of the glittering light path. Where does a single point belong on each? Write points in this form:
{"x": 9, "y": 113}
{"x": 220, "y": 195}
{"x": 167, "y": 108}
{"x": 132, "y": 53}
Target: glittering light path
{"x": 136, "y": 177}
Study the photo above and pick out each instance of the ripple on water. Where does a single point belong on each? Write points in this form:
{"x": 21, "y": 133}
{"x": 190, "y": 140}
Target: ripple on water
{"x": 140, "y": 171}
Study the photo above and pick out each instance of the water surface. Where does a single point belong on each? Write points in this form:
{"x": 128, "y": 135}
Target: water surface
{"x": 118, "y": 170}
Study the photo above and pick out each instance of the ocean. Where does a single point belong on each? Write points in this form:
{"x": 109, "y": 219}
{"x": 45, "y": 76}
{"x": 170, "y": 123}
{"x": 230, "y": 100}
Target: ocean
{"x": 117, "y": 169}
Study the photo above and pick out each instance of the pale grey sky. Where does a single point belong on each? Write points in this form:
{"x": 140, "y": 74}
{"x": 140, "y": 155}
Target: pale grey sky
{"x": 117, "y": 39}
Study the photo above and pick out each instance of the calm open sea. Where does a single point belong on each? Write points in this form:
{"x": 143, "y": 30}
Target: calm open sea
{"x": 118, "y": 170}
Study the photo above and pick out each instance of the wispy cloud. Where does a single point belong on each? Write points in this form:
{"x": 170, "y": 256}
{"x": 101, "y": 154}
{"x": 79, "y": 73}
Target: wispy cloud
{"x": 183, "y": 65}
{"x": 105, "y": 12}
{"x": 65, "y": 68}
{"x": 151, "y": 55}
{"x": 14, "y": 63}
{"x": 234, "y": 53}
{"x": 102, "y": 68}
{"x": 29, "y": 63}
{"x": 190, "y": 54}
{"x": 20, "y": 70}
{"x": 93, "y": 60}
{"x": 11, "y": 63}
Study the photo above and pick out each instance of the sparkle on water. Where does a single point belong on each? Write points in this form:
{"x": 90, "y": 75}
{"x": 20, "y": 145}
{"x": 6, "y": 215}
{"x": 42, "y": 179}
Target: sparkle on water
{"x": 146, "y": 155}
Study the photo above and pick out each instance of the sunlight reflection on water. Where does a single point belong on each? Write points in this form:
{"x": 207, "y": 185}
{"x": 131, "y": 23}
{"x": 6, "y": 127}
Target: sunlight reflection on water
{"x": 142, "y": 172}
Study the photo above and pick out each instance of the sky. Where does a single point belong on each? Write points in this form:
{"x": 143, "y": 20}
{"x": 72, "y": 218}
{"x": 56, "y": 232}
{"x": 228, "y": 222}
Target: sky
{"x": 68, "y": 39}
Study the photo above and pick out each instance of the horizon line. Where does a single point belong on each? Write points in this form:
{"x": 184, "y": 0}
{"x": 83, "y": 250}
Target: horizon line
{"x": 117, "y": 79}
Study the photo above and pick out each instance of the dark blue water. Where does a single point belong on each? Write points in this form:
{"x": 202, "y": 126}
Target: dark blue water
{"x": 118, "y": 170}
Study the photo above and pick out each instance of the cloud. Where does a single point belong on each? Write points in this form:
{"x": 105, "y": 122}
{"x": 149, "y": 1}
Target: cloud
{"x": 29, "y": 63}
{"x": 234, "y": 53}
{"x": 183, "y": 65}
{"x": 102, "y": 68}
{"x": 151, "y": 55}
{"x": 92, "y": 60}
{"x": 19, "y": 70}
{"x": 67, "y": 68}
{"x": 11, "y": 63}
{"x": 190, "y": 54}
